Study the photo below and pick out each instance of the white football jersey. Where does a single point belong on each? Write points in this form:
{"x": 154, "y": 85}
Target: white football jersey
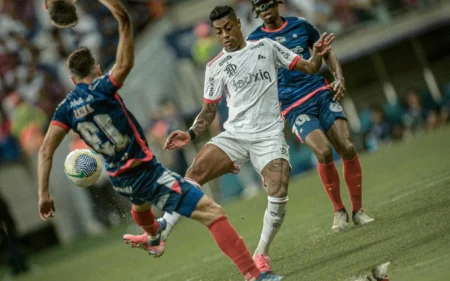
{"x": 248, "y": 79}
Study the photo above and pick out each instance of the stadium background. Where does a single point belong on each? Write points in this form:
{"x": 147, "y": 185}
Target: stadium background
{"x": 395, "y": 56}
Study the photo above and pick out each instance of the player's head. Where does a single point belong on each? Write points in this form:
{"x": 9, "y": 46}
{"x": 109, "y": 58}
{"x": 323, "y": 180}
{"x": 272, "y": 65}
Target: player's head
{"x": 267, "y": 10}
{"x": 226, "y": 27}
{"x": 63, "y": 13}
{"x": 82, "y": 65}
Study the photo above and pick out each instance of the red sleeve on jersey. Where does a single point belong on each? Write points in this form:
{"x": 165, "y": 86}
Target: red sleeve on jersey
{"x": 114, "y": 82}
{"x": 205, "y": 100}
{"x": 294, "y": 61}
{"x": 60, "y": 124}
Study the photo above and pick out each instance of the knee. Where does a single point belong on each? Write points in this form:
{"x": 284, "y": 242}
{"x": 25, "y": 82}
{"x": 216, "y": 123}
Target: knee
{"x": 346, "y": 150}
{"x": 215, "y": 210}
{"x": 324, "y": 154}
{"x": 208, "y": 211}
{"x": 197, "y": 172}
{"x": 279, "y": 189}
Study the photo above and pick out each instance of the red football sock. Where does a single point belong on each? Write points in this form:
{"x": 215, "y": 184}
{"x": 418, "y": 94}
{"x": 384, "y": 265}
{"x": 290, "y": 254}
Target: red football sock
{"x": 353, "y": 179}
{"x": 234, "y": 247}
{"x": 330, "y": 181}
{"x": 146, "y": 220}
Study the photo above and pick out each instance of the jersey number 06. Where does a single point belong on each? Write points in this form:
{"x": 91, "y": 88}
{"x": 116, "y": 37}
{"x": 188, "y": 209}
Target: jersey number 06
{"x": 103, "y": 122}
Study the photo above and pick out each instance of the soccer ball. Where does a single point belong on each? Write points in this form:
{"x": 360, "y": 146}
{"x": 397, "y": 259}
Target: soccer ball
{"x": 83, "y": 167}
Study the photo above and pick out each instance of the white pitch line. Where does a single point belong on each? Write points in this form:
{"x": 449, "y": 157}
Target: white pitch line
{"x": 164, "y": 276}
{"x": 405, "y": 194}
{"x": 427, "y": 262}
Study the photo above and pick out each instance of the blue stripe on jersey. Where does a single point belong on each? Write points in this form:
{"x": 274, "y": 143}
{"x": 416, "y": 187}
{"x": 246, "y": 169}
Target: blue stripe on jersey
{"x": 299, "y": 36}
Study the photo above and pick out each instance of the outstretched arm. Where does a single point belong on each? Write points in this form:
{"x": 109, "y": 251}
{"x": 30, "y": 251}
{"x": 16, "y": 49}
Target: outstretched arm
{"x": 53, "y": 139}
{"x": 125, "y": 50}
{"x": 179, "y": 139}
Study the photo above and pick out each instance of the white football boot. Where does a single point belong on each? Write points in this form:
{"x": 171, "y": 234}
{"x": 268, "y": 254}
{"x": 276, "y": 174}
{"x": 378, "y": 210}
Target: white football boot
{"x": 361, "y": 218}
{"x": 340, "y": 221}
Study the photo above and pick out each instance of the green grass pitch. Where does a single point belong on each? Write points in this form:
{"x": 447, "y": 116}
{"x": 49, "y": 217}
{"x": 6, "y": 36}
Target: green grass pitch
{"x": 406, "y": 189}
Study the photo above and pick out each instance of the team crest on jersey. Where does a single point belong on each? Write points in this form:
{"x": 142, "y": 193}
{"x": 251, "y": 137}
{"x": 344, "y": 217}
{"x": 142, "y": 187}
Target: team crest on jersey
{"x": 231, "y": 69}
{"x": 335, "y": 107}
{"x": 280, "y": 39}
{"x": 294, "y": 35}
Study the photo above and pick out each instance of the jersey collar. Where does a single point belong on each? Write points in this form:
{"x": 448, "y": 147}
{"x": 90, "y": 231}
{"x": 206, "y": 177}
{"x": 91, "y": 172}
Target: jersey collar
{"x": 238, "y": 51}
{"x": 275, "y": 30}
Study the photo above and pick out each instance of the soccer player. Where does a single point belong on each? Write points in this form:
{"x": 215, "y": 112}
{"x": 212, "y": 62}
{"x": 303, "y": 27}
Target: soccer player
{"x": 63, "y": 13}
{"x": 245, "y": 72}
{"x": 96, "y": 112}
{"x": 313, "y": 111}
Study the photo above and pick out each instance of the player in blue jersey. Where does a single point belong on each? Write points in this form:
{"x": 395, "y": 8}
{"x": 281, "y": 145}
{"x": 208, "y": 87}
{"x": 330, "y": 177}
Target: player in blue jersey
{"x": 312, "y": 109}
{"x": 96, "y": 112}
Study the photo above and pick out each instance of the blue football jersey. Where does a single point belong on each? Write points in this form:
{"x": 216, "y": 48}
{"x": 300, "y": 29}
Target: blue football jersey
{"x": 298, "y": 35}
{"x": 97, "y": 113}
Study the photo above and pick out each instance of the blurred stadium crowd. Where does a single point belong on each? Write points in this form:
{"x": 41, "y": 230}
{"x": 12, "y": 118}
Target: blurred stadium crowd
{"x": 33, "y": 75}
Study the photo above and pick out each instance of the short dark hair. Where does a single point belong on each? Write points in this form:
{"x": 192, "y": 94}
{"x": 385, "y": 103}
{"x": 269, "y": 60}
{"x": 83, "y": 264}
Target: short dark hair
{"x": 63, "y": 13}
{"x": 81, "y": 63}
{"x": 220, "y": 12}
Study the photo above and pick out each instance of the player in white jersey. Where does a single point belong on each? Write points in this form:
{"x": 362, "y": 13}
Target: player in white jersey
{"x": 246, "y": 73}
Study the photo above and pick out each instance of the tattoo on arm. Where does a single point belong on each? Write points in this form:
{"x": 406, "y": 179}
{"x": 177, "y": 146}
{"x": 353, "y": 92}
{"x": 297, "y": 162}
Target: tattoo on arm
{"x": 204, "y": 118}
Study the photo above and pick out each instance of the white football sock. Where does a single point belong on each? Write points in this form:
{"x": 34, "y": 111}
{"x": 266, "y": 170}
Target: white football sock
{"x": 172, "y": 219}
{"x": 273, "y": 219}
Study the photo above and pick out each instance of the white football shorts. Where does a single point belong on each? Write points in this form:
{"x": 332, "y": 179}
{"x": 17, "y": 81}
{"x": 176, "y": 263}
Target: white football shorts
{"x": 260, "y": 151}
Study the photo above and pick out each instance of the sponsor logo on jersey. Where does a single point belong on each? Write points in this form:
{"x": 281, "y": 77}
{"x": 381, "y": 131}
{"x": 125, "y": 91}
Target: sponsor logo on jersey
{"x": 125, "y": 190}
{"x": 231, "y": 69}
{"x": 294, "y": 35}
{"x": 76, "y": 102}
{"x": 298, "y": 50}
{"x": 227, "y": 58}
{"x": 260, "y": 44}
{"x": 280, "y": 39}
{"x": 282, "y": 52}
{"x": 249, "y": 79}
{"x": 335, "y": 107}
{"x": 261, "y": 57}
{"x": 211, "y": 86}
